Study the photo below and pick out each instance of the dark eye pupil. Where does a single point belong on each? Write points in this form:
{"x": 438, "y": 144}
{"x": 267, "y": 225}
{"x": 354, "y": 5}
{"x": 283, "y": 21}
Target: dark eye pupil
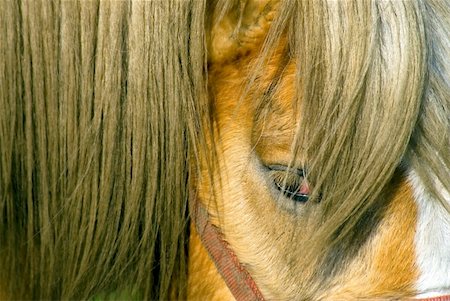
{"x": 296, "y": 193}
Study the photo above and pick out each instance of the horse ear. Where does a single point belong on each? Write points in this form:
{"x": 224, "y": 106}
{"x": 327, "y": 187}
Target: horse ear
{"x": 239, "y": 28}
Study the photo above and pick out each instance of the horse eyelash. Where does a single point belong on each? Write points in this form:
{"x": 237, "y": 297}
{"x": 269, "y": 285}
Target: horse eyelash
{"x": 289, "y": 182}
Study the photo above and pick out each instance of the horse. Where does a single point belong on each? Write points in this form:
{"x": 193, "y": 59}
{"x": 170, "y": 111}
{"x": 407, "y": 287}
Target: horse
{"x": 225, "y": 149}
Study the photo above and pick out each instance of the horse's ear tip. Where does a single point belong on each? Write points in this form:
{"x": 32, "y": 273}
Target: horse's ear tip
{"x": 222, "y": 48}
{"x": 233, "y": 36}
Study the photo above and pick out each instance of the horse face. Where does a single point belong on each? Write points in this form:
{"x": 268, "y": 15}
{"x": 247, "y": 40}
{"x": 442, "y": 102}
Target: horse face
{"x": 254, "y": 197}
{"x": 268, "y": 230}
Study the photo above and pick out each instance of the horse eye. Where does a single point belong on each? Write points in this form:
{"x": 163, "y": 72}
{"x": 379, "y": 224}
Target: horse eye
{"x": 290, "y": 182}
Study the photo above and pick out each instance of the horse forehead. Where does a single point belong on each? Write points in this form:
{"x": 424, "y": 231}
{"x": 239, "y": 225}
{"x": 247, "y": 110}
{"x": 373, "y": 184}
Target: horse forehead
{"x": 269, "y": 117}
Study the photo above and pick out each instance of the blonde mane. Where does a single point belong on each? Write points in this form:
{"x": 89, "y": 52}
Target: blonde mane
{"x": 104, "y": 114}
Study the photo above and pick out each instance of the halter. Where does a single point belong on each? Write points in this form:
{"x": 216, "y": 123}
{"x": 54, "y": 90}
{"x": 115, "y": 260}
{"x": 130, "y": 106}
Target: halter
{"x": 236, "y": 277}
{"x": 233, "y": 272}
{"x": 439, "y": 298}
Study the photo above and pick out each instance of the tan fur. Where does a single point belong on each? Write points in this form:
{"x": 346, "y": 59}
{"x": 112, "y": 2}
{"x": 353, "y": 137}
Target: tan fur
{"x": 393, "y": 266}
{"x": 229, "y": 54}
{"x": 385, "y": 267}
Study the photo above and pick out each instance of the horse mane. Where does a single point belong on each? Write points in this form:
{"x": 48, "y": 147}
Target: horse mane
{"x": 104, "y": 112}
{"x": 100, "y": 102}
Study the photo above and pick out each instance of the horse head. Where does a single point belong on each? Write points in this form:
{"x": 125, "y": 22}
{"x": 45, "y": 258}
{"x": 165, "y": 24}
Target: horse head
{"x": 316, "y": 121}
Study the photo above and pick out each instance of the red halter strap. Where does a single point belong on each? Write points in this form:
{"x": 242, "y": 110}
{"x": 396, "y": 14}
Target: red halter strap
{"x": 438, "y": 298}
{"x": 236, "y": 277}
